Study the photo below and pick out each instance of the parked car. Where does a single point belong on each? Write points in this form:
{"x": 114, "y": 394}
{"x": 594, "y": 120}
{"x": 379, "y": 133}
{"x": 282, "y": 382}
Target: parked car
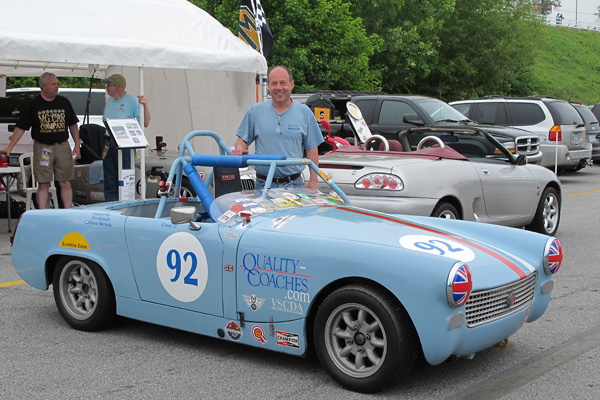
{"x": 289, "y": 270}
{"x": 471, "y": 177}
{"x": 592, "y": 128}
{"x": 15, "y": 100}
{"x": 387, "y": 115}
{"x": 561, "y": 131}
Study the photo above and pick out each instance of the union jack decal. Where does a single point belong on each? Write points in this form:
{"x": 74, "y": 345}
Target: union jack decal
{"x": 555, "y": 256}
{"x": 462, "y": 285}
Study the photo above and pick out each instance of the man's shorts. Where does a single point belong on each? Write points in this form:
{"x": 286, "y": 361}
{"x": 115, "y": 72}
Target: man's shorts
{"x": 53, "y": 159}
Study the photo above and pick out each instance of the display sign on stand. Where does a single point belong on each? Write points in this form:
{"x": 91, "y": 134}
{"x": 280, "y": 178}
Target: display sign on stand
{"x": 128, "y": 136}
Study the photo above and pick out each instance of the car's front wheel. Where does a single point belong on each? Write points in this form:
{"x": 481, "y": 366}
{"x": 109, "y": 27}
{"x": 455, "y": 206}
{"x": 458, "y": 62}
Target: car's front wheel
{"x": 364, "y": 338}
{"x": 547, "y": 215}
{"x": 83, "y": 294}
{"x": 445, "y": 210}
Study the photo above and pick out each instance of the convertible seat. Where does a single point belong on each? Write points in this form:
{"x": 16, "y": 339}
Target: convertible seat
{"x": 395, "y": 145}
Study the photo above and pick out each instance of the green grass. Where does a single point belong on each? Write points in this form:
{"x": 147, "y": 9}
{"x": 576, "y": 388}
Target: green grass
{"x": 568, "y": 65}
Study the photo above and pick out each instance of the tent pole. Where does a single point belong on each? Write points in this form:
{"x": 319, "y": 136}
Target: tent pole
{"x": 142, "y": 151}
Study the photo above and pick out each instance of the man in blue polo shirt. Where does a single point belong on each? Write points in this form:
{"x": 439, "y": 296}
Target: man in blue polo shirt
{"x": 281, "y": 126}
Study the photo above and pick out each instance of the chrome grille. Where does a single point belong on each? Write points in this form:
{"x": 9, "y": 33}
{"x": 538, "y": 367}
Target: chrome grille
{"x": 527, "y": 145}
{"x": 489, "y": 305}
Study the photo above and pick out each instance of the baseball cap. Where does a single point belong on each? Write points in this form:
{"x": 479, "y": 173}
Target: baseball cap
{"x": 115, "y": 79}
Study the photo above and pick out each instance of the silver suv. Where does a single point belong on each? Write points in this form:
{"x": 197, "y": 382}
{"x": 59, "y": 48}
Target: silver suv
{"x": 562, "y": 132}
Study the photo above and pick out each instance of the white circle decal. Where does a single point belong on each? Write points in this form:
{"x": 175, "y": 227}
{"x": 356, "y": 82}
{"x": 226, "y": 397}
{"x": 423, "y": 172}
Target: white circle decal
{"x": 438, "y": 246}
{"x": 182, "y": 267}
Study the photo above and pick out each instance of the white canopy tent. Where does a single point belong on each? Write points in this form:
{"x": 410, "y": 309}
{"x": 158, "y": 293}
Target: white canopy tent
{"x": 195, "y": 73}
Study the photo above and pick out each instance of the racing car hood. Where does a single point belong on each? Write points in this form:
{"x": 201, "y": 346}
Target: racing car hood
{"x": 399, "y": 239}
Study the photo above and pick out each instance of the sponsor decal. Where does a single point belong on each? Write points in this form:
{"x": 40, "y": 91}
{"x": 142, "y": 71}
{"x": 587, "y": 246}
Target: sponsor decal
{"x": 292, "y": 302}
{"x": 253, "y": 302}
{"x": 280, "y": 221}
{"x": 80, "y": 194}
{"x": 227, "y": 177}
{"x": 287, "y": 339}
{"x": 274, "y": 272}
{"x": 99, "y": 219}
{"x": 438, "y": 246}
{"x": 258, "y": 333}
{"x": 234, "y": 331}
{"x": 74, "y": 240}
{"x": 231, "y": 235}
{"x": 227, "y": 215}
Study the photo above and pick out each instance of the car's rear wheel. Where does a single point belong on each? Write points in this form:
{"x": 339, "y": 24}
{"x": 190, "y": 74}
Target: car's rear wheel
{"x": 547, "y": 215}
{"x": 445, "y": 210}
{"x": 364, "y": 338}
{"x": 83, "y": 294}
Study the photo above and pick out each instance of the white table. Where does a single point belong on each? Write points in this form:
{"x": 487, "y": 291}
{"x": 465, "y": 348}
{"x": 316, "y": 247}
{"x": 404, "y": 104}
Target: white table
{"x": 7, "y": 177}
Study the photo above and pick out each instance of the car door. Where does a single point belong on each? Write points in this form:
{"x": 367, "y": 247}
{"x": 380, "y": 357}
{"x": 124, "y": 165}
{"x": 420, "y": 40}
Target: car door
{"x": 389, "y": 117}
{"x": 176, "y": 266}
{"x": 509, "y": 190}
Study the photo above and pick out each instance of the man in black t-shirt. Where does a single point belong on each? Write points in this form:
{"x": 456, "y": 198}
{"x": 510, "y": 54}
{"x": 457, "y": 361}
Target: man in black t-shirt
{"x": 50, "y": 118}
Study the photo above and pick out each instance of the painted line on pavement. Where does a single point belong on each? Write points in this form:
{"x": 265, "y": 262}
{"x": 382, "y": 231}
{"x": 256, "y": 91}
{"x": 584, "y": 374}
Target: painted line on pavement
{"x": 13, "y": 283}
{"x": 578, "y": 194}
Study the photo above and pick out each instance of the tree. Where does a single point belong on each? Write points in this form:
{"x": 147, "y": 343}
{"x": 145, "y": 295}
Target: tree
{"x": 487, "y": 47}
{"x": 324, "y": 46}
{"x": 410, "y": 31}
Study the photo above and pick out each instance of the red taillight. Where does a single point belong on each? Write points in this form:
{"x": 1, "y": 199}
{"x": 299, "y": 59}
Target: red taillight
{"x": 555, "y": 134}
{"x": 379, "y": 181}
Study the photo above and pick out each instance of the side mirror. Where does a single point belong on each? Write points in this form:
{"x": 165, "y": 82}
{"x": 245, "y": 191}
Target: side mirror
{"x": 413, "y": 119}
{"x": 182, "y": 215}
{"x": 521, "y": 160}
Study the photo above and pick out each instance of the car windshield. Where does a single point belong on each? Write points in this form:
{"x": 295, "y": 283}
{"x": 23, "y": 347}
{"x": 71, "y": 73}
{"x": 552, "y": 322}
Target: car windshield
{"x": 234, "y": 207}
{"x": 440, "y": 111}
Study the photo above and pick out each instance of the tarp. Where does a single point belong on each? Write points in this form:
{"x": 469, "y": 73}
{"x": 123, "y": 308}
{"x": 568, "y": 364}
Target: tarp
{"x": 195, "y": 72}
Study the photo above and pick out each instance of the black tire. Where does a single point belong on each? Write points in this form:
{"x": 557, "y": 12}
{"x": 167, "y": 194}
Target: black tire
{"x": 83, "y": 294}
{"x": 547, "y": 215}
{"x": 364, "y": 338}
{"x": 445, "y": 210}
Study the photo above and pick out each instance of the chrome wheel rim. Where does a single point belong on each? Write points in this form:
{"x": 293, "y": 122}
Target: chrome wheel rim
{"x": 355, "y": 340}
{"x": 78, "y": 289}
{"x": 551, "y": 212}
{"x": 447, "y": 214}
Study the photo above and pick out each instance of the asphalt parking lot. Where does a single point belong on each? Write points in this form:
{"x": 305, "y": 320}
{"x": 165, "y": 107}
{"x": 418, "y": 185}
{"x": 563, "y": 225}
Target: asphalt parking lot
{"x": 556, "y": 357}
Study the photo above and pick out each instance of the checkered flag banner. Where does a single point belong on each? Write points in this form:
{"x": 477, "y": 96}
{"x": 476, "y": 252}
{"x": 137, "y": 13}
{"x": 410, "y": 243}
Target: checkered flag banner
{"x": 253, "y": 27}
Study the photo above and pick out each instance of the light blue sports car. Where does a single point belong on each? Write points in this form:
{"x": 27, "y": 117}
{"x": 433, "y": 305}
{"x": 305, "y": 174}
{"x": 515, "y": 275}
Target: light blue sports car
{"x": 287, "y": 269}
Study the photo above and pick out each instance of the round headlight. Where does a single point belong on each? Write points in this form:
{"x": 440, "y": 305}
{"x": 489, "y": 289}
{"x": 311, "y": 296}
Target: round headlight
{"x": 459, "y": 285}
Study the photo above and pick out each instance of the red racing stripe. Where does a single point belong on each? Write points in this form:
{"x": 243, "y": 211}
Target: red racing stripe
{"x": 492, "y": 253}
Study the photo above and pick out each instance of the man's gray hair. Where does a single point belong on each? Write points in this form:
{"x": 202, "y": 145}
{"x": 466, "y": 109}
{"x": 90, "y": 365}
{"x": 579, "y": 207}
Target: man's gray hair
{"x": 44, "y": 78}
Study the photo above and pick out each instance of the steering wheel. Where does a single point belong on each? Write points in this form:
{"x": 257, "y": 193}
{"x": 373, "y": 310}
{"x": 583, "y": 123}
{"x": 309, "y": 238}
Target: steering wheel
{"x": 386, "y": 144}
{"x": 427, "y": 139}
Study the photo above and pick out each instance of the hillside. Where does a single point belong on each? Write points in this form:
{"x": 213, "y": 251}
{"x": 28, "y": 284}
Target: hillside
{"x": 568, "y": 65}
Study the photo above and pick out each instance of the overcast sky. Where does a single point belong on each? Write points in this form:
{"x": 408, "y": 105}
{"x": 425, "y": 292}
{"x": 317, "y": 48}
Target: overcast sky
{"x": 585, "y": 11}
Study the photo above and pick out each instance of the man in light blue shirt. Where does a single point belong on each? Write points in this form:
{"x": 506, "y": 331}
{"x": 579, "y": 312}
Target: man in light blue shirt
{"x": 281, "y": 126}
{"x": 119, "y": 104}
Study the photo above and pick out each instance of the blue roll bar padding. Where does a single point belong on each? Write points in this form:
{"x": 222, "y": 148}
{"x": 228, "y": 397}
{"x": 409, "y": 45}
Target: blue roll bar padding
{"x": 201, "y": 190}
{"x": 211, "y": 160}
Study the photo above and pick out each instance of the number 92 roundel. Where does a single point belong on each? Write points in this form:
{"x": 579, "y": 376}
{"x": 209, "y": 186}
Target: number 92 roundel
{"x": 182, "y": 267}
{"x": 438, "y": 246}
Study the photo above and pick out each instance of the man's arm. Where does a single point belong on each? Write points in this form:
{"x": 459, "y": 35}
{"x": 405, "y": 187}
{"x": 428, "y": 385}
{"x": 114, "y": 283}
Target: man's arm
{"x": 75, "y": 133}
{"x": 241, "y": 147}
{"x": 16, "y": 136}
{"x": 313, "y": 155}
